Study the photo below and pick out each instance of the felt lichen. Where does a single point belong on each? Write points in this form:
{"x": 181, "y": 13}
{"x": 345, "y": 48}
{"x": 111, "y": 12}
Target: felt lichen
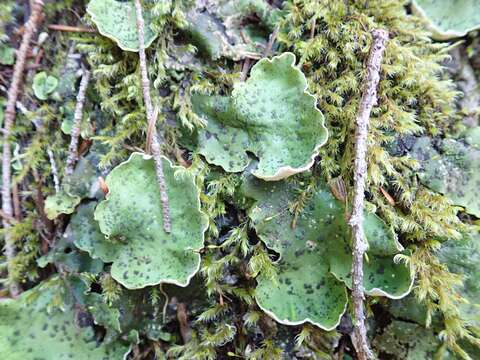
{"x": 116, "y": 20}
{"x": 142, "y": 252}
{"x": 315, "y": 255}
{"x": 270, "y": 115}
{"x": 29, "y": 330}
{"x": 449, "y": 18}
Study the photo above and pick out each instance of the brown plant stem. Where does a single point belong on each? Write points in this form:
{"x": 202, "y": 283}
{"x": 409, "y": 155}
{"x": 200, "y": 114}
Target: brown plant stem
{"x": 77, "y": 121}
{"x": 369, "y": 99}
{"x": 13, "y": 91}
{"x": 67, "y": 28}
{"x": 155, "y": 145}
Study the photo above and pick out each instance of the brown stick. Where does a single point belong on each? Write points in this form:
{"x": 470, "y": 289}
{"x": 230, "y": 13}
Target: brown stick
{"x": 13, "y": 91}
{"x": 77, "y": 121}
{"x": 369, "y": 99}
{"x": 155, "y": 146}
{"x": 67, "y": 28}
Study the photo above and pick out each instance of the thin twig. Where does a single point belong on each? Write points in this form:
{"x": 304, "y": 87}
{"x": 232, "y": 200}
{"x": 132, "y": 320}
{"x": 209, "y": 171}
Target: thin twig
{"x": 151, "y": 129}
{"x": 17, "y": 208}
{"x": 271, "y": 41}
{"x": 155, "y": 146}
{"x": 77, "y": 121}
{"x": 8, "y": 218}
{"x": 245, "y": 69}
{"x": 53, "y": 165}
{"x": 13, "y": 91}
{"x": 369, "y": 99}
{"x": 67, "y": 28}
{"x": 165, "y": 306}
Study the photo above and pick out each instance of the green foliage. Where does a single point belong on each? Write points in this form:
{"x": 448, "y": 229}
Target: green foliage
{"x": 451, "y": 18}
{"x": 117, "y": 21}
{"x": 270, "y": 115}
{"x": 28, "y": 330}
{"x": 44, "y": 85}
{"x": 141, "y": 251}
{"x": 315, "y": 255}
{"x": 452, "y": 171}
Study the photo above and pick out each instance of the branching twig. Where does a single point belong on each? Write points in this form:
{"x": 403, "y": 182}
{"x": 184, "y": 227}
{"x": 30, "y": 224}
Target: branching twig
{"x": 77, "y": 121}
{"x": 13, "y": 91}
{"x": 369, "y": 99}
{"x": 155, "y": 146}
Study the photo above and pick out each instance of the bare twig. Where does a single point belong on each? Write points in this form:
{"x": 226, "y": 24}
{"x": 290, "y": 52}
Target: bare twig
{"x": 13, "y": 91}
{"x": 77, "y": 121}
{"x": 245, "y": 69}
{"x": 271, "y": 41}
{"x": 8, "y": 218}
{"x": 17, "y": 208}
{"x": 151, "y": 129}
{"x": 155, "y": 146}
{"x": 182, "y": 318}
{"x": 53, "y": 165}
{"x": 165, "y": 306}
{"x": 67, "y": 28}
{"x": 369, "y": 99}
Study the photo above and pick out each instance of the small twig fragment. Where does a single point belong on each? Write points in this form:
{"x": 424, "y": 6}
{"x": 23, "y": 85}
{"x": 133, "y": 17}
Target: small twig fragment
{"x": 103, "y": 185}
{"x": 151, "y": 130}
{"x": 77, "y": 121}
{"x": 53, "y": 165}
{"x": 387, "y": 196}
{"x": 271, "y": 41}
{"x": 182, "y": 318}
{"x": 245, "y": 69}
{"x": 369, "y": 99}
{"x": 8, "y": 218}
{"x": 67, "y": 28}
{"x": 10, "y": 113}
{"x": 155, "y": 142}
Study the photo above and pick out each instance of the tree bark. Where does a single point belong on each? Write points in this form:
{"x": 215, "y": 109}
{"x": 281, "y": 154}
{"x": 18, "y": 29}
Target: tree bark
{"x": 10, "y": 113}
{"x": 151, "y": 117}
{"x": 369, "y": 99}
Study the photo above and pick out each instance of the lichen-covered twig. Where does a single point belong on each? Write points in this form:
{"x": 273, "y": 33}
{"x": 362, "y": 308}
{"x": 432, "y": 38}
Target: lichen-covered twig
{"x": 369, "y": 99}
{"x": 13, "y": 91}
{"x": 53, "y": 165}
{"x": 77, "y": 121}
{"x": 155, "y": 146}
